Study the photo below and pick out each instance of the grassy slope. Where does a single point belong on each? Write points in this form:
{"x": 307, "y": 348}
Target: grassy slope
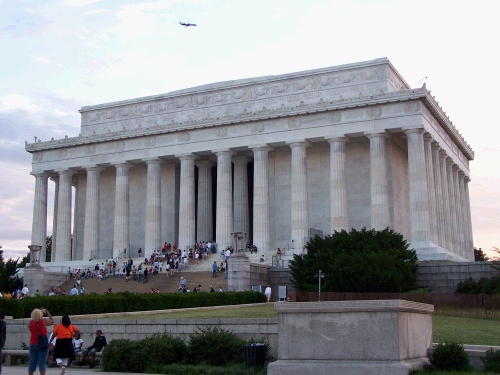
{"x": 445, "y": 328}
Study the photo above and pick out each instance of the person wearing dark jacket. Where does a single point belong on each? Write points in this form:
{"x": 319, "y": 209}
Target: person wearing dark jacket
{"x": 96, "y": 347}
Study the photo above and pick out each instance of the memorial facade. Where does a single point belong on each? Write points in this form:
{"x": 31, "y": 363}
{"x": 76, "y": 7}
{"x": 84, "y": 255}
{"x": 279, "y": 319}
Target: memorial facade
{"x": 279, "y": 158}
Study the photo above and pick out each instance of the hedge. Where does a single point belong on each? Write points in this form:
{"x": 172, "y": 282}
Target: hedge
{"x": 124, "y": 302}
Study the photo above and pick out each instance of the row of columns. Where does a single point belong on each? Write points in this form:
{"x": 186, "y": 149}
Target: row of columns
{"x": 438, "y": 194}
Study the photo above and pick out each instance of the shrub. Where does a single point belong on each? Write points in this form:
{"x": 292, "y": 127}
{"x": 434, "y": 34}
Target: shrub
{"x": 215, "y": 346}
{"x": 492, "y": 361}
{"x": 449, "y": 356}
{"x": 357, "y": 261}
{"x": 135, "y": 356}
{"x": 490, "y": 286}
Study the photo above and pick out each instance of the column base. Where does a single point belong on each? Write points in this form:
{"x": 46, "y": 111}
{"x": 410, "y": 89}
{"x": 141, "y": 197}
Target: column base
{"x": 325, "y": 367}
{"x": 427, "y": 251}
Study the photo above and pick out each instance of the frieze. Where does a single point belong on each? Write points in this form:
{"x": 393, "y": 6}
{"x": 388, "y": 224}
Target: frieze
{"x": 308, "y": 88}
{"x": 333, "y": 107}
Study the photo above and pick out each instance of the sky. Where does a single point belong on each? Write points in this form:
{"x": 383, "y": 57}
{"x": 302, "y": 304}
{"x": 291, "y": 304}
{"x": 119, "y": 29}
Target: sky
{"x": 57, "y": 56}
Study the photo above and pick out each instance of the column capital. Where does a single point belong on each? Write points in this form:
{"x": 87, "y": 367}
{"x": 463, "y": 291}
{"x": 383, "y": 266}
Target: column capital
{"x": 65, "y": 172}
{"x": 449, "y": 161}
{"x": 298, "y": 143}
{"x": 467, "y": 179}
{"x": 122, "y": 165}
{"x": 428, "y": 137}
{"x": 376, "y": 134}
{"x": 54, "y": 178}
{"x": 435, "y": 145}
{"x": 414, "y": 130}
{"x": 182, "y": 157}
{"x": 461, "y": 173}
{"x": 261, "y": 147}
{"x": 150, "y": 161}
{"x": 94, "y": 168}
{"x": 455, "y": 167}
{"x": 443, "y": 153}
{"x": 337, "y": 138}
{"x": 40, "y": 174}
{"x": 224, "y": 152}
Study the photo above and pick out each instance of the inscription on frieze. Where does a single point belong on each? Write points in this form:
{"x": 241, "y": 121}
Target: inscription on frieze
{"x": 231, "y": 102}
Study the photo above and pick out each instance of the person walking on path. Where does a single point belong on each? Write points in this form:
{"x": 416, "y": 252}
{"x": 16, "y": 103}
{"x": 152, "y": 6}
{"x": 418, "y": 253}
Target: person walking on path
{"x": 3, "y": 336}
{"x": 214, "y": 269}
{"x": 63, "y": 351}
{"x": 267, "y": 292}
{"x": 38, "y": 325}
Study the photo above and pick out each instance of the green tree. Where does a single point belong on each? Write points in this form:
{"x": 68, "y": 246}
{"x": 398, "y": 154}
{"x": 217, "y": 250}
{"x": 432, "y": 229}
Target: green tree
{"x": 357, "y": 261}
{"x": 480, "y": 255}
{"x": 9, "y": 281}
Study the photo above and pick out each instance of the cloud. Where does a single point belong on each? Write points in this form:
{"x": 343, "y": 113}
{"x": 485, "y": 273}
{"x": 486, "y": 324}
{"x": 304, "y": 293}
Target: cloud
{"x": 43, "y": 60}
{"x": 81, "y": 3}
{"x": 22, "y": 22}
{"x": 13, "y": 102}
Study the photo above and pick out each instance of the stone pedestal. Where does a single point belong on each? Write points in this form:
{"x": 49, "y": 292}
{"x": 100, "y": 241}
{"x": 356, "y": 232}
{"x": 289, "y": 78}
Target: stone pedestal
{"x": 382, "y": 337}
{"x": 238, "y": 273}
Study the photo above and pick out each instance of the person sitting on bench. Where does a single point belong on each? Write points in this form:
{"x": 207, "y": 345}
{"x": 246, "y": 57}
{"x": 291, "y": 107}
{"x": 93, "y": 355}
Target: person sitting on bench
{"x": 96, "y": 347}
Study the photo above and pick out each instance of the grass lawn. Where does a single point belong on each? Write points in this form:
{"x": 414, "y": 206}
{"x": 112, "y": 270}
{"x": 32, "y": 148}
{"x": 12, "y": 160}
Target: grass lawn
{"x": 463, "y": 330}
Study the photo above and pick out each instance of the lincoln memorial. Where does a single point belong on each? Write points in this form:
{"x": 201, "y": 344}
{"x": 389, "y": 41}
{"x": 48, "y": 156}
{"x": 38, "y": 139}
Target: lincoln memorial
{"x": 279, "y": 158}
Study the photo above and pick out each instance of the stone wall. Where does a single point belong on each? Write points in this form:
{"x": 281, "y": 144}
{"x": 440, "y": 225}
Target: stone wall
{"x": 443, "y": 277}
{"x": 135, "y": 329}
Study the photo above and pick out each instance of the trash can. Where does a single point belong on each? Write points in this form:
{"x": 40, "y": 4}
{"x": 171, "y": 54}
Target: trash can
{"x": 254, "y": 354}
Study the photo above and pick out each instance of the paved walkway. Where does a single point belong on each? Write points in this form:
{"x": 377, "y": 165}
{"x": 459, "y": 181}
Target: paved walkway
{"x": 23, "y": 370}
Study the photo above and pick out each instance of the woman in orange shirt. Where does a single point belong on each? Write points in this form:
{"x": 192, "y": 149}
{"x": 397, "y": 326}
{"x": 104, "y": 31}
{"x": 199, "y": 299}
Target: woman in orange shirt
{"x": 63, "y": 351}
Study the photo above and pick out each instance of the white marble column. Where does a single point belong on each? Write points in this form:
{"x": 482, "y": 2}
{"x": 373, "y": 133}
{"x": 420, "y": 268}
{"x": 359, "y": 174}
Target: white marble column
{"x": 463, "y": 214}
{"x": 39, "y": 224}
{"x": 204, "y": 221}
{"x": 92, "y": 214}
{"x": 240, "y": 194}
{"x": 438, "y": 193}
{"x": 224, "y": 211}
{"x": 431, "y": 190}
{"x": 468, "y": 224}
{"x": 63, "y": 234}
{"x": 75, "y": 221}
{"x": 187, "y": 223}
{"x": 338, "y": 185}
{"x": 419, "y": 202}
{"x": 453, "y": 205}
{"x": 379, "y": 190}
{"x": 153, "y": 207}
{"x": 458, "y": 212}
{"x": 300, "y": 209}
{"x": 121, "y": 228}
{"x": 446, "y": 200}
{"x": 54, "y": 218}
{"x": 261, "y": 226}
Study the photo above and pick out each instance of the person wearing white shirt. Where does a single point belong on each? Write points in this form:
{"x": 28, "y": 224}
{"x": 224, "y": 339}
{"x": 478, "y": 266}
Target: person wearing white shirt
{"x": 25, "y": 291}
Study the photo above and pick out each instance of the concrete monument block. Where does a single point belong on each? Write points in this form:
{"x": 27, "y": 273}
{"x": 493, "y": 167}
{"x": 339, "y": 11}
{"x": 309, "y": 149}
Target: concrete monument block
{"x": 352, "y": 337}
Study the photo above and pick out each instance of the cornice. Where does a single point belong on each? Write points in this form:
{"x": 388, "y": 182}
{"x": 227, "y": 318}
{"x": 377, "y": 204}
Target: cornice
{"x": 267, "y": 114}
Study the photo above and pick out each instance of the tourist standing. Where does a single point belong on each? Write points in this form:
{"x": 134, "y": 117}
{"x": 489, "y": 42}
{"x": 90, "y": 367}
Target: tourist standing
{"x": 214, "y": 269}
{"x": 267, "y": 292}
{"x": 38, "y": 325}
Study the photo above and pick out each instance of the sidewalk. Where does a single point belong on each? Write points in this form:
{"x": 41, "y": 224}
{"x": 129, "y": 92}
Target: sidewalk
{"x": 23, "y": 370}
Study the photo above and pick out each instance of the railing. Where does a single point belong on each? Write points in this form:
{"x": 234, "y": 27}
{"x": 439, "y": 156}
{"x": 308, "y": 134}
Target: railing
{"x": 277, "y": 262}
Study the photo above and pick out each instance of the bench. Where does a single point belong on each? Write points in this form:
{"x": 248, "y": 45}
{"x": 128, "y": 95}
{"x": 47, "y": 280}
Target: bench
{"x": 14, "y": 356}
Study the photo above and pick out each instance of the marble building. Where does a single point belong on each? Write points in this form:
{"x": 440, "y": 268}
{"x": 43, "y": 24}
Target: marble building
{"x": 277, "y": 157}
